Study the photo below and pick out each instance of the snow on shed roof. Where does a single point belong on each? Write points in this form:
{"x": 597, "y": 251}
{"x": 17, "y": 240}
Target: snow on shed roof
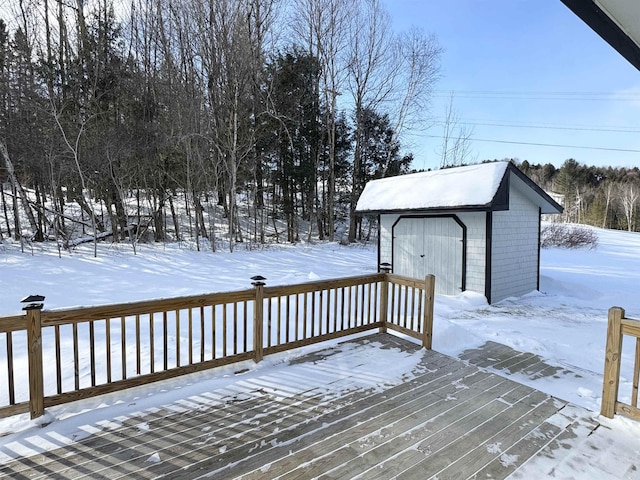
{"x": 473, "y": 186}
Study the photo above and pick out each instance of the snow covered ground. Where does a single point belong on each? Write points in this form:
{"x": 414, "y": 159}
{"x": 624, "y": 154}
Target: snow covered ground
{"x": 565, "y": 323}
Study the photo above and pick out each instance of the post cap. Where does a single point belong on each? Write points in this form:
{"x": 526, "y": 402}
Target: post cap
{"x": 32, "y": 298}
{"x": 34, "y": 302}
{"x": 385, "y": 266}
{"x": 257, "y": 280}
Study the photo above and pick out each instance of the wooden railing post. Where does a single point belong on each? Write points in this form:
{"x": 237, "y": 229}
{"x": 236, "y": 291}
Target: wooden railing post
{"x": 612, "y": 362}
{"x": 258, "y": 318}
{"x": 384, "y": 296}
{"x": 34, "y": 345}
{"x": 427, "y": 321}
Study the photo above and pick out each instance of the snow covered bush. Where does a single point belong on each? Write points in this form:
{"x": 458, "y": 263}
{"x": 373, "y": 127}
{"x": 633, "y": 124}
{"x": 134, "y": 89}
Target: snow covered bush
{"x": 568, "y": 236}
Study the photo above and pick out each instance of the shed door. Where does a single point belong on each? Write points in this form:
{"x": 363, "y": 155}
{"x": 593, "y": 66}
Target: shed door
{"x": 430, "y": 245}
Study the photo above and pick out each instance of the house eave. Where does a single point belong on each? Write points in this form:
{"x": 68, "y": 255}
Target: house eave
{"x": 614, "y": 22}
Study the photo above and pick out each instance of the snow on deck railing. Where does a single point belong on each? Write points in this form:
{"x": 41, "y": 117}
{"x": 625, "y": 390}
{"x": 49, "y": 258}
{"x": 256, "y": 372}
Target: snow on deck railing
{"x": 617, "y": 327}
{"x": 60, "y": 356}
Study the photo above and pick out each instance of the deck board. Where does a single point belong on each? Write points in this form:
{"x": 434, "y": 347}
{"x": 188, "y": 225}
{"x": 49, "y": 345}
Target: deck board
{"x": 449, "y": 419}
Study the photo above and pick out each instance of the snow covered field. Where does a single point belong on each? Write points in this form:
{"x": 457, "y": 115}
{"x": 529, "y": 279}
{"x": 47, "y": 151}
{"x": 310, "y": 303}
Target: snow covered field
{"x": 565, "y": 323}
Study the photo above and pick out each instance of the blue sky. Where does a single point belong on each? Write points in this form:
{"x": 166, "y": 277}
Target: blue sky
{"x": 526, "y": 64}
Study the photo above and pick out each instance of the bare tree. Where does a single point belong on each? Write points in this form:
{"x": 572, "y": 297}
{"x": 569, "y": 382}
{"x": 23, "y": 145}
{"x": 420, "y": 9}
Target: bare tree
{"x": 456, "y": 139}
{"x": 608, "y": 188}
{"x": 17, "y": 187}
{"x": 396, "y": 73}
{"x": 629, "y": 197}
{"x": 417, "y": 58}
{"x": 370, "y": 79}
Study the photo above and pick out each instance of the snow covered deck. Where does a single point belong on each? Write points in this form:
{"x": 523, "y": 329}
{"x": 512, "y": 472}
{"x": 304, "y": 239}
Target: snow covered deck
{"x": 377, "y": 407}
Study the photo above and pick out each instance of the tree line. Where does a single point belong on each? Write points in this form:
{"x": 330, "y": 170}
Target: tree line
{"x": 270, "y": 114}
{"x": 605, "y": 197}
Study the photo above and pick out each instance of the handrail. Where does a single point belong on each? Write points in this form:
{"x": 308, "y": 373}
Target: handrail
{"x": 129, "y": 344}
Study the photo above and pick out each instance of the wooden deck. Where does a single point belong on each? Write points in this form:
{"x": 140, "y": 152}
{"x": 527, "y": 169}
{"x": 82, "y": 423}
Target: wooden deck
{"x": 314, "y": 418}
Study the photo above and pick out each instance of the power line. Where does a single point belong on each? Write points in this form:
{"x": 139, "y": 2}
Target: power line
{"x": 539, "y": 95}
{"x": 550, "y": 127}
{"x": 531, "y": 92}
{"x": 577, "y": 125}
{"x": 473, "y": 139}
{"x": 554, "y": 98}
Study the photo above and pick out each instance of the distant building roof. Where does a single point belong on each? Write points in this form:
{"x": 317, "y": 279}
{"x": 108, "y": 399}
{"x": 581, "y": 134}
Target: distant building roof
{"x": 483, "y": 186}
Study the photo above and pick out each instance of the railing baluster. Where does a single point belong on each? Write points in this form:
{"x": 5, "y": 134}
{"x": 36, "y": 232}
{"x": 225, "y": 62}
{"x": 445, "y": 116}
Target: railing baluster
{"x": 76, "y": 361}
{"x": 349, "y": 309}
{"x": 269, "y": 319}
{"x": 320, "y": 310}
{"x": 406, "y": 307}
{"x": 107, "y": 344}
{"x": 636, "y": 375}
{"x": 10, "y": 374}
{"x": 152, "y": 342}
{"x": 92, "y": 352}
{"x": 213, "y": 333}
{"x": 335, "y": 309}
{"x": 165, "y": 340}
{"x": 420, "y": 298}
{"x": 246, "y": 334}
{"x": 235, "y": 328}
{"x": 342, "y": 305}
{"x": 177, "y": 312}
{"x": 123, "y": 346}
{"x": 58, "y": 359}
{"x": 288, "y": 317}
{"x": 190, "y": 333}
{"x": 369, "y": 287}
{"x": 361, "y": 304}
{"x": 313, "y": 314}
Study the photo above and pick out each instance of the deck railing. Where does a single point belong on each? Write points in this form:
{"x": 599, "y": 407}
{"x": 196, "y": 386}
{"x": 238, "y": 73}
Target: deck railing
{"x": 114, "y": 347}
{"x": 618, "y": 327}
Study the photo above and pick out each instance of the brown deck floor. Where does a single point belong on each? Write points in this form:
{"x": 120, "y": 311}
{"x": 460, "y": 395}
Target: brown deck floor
{"x": 446, "y": 419}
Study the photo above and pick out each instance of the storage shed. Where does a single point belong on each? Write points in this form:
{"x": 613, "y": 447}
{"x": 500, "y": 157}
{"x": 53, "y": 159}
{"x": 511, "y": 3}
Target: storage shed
{"x": 475, "y": 228}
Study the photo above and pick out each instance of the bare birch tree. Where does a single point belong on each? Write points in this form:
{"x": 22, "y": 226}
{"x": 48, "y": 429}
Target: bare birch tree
{"x": 629, "y": 198}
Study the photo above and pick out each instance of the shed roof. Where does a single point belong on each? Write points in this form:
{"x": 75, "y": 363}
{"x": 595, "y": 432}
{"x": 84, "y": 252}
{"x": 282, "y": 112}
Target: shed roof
{"x": 484, "y": 186}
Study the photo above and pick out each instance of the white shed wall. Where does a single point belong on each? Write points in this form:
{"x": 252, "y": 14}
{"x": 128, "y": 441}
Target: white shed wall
{"x": 476, "y": 223}
{"x": 515, "y": 248}
{"x": 386, "y": 223}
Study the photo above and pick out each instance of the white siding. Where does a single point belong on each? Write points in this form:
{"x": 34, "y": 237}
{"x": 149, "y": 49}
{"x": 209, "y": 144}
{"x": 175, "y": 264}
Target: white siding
{"x": 386, "y": 223}
{"x": 476, "y": 223}
{"x": 514, "y": 248}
